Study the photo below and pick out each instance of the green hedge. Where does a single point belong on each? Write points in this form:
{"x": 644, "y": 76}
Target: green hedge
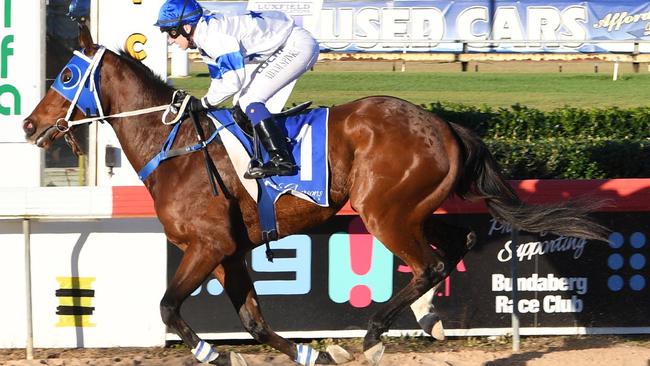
{"x": 566, "y": 143}
{"x": 521, "y": 122}
{"x": 560, "y": 158}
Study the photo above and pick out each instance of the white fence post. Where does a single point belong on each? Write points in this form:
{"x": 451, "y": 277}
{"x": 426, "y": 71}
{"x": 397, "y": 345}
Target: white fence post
{"x": 516, "y": 342}
{"x": 29, "y": 348}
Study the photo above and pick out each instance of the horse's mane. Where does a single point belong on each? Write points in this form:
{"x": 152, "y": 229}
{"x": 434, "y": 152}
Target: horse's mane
{"x": 143, "y": 70}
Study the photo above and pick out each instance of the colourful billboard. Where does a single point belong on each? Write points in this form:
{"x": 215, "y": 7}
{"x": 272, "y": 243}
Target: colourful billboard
{"x": 328, "y": 281}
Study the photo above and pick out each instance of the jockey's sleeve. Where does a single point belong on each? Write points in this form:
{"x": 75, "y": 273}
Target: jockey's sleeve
{"x": 227, "y": 73}
{"x": 222, "y": 53}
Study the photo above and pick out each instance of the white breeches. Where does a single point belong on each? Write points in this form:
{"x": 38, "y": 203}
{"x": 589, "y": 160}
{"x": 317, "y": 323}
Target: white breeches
{"x": 296, "y": 57}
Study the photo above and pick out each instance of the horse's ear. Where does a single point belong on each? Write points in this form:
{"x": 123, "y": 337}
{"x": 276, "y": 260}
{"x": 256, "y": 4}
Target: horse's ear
{"x": 85, "y": 39}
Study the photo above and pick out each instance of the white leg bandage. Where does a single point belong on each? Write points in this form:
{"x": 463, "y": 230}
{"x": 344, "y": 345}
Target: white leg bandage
{"x": 306, "y": 355}
{"x": 204, "y": 352}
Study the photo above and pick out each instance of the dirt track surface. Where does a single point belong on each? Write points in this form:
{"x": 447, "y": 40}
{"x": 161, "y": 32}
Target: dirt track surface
{"x": 535, "y": 351}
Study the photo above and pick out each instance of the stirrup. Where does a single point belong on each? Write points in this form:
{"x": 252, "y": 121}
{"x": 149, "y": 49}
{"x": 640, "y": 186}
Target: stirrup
{"x": 256, "y": 170}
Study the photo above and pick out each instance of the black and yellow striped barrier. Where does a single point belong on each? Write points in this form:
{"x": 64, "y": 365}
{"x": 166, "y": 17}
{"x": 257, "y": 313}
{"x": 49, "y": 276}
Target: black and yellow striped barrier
{"x": 75, "y": 301}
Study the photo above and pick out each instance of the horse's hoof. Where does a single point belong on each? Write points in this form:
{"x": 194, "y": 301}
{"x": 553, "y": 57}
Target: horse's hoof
{"x": 338, "y": 354}
{"x": 374, "y": 354}
{"x": 230, "y": 359}
{"x": 237, "y": 360}
{"x": 432, "y": 325}
{"x": 438, "y": 331}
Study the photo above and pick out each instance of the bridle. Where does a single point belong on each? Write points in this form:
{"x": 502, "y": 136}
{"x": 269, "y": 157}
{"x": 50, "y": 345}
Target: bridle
{"x": 82, "y": 91}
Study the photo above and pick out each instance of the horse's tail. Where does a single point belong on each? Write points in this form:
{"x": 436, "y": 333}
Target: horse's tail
{"x": 481, "y": 178}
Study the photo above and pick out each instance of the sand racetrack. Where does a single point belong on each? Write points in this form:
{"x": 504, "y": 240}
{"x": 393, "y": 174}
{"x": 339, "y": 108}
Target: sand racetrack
{"x": 535, "y": 351}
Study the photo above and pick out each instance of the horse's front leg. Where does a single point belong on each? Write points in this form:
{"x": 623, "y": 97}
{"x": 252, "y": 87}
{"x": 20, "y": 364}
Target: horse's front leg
{"x": 196, "y": 265}
{"x": 236, "y": 281}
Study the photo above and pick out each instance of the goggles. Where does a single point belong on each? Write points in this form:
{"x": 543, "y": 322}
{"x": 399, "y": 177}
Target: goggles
{"x": 177, "y": 30}
{"x": 173, "y": 33}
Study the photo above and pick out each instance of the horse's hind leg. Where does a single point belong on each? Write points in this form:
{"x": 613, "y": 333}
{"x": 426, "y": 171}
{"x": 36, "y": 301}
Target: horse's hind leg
{"x": 428, "y": 270}
{"x": 236, "y": 281}
{"x": 196, "y": 265}
{"x": 454, "y": 242}
{"x": 400, "y": 227}
{"x": 425, "y": 314}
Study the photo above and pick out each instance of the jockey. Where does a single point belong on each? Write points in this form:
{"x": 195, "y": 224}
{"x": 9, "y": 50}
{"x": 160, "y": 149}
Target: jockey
{"x": 283, "y": 50}
{"x": 79, "y": 10}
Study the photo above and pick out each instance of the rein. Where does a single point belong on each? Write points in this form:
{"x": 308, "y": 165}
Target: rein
{"x": 64, "y": 125}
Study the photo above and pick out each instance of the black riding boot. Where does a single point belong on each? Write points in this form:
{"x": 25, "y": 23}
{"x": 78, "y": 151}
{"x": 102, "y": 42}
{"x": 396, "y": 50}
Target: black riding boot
{"x": 274, "y": 142}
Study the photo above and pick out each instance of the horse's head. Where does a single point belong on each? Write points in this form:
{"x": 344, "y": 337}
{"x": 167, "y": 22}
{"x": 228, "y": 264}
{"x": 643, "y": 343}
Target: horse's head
{"x": 72, "y": 95}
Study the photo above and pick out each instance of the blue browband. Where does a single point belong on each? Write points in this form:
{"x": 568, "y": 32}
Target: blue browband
{"x": 82, "y": 89}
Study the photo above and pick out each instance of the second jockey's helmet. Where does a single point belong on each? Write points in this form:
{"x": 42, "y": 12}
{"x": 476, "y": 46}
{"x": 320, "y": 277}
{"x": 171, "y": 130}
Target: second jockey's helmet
{"x": 175, "y": 13}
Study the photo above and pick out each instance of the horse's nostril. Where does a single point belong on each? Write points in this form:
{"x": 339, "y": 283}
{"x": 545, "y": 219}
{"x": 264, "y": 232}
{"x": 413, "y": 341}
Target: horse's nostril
{"x": 29, "y": 128}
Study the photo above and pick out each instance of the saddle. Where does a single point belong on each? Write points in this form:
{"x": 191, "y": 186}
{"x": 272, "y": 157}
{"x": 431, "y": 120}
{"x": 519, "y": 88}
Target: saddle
{"x": 245, "y": 124}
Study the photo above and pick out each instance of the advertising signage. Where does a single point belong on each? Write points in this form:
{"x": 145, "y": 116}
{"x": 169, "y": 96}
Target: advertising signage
{"x": 598, "y": 26}
{"x": 332, "y": 279}
{"x": 510, "y": 26}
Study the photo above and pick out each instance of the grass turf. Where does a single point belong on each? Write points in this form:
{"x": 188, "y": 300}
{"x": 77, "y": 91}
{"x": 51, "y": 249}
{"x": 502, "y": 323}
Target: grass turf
{"x": 538, "y": 85}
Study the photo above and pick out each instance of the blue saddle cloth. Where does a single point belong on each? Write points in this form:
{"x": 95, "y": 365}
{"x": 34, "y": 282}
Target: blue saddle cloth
{"x": 308, "y": 135}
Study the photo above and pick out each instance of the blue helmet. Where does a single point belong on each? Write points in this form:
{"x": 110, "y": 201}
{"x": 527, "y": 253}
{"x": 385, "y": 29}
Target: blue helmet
{"x": 79, "y": 9}
{"x": 175, "y": 13}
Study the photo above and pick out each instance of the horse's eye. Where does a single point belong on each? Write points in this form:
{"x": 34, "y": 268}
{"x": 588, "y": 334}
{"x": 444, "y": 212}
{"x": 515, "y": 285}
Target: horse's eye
{"x": 66, "y": 76}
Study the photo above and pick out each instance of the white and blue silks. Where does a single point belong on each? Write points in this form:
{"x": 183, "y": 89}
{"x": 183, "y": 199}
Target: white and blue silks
{"x": 228, "y": 43}
{"x": 308, "y": 135}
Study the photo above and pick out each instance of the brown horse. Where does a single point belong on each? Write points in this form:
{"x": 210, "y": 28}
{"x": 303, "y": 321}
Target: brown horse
{"x": 382, "y": 151}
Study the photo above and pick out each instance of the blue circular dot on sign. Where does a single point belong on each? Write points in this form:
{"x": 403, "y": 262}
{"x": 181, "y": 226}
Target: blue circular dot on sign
{"x": 616, "y": 240}
{"x": 637, "y": 282}
{"x": 637, "y": 240}
{"x": 214, "y": 287}
{"x": 615, "y": 283}
{"x": 615, "y": 261}
{"x": 197, "y": 291}
{"x": 637, "y": 261}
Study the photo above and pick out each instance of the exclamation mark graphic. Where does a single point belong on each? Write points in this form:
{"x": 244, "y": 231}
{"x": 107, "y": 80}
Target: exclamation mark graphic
{"x": 361, "y": 243}
{"x": 360, "y": 267}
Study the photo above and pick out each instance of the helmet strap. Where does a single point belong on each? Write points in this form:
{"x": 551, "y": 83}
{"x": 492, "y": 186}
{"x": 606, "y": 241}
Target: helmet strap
{"x": 180, "y": 18}
{"x": 184, "y": 33}
{"x": 179, "y": 27}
